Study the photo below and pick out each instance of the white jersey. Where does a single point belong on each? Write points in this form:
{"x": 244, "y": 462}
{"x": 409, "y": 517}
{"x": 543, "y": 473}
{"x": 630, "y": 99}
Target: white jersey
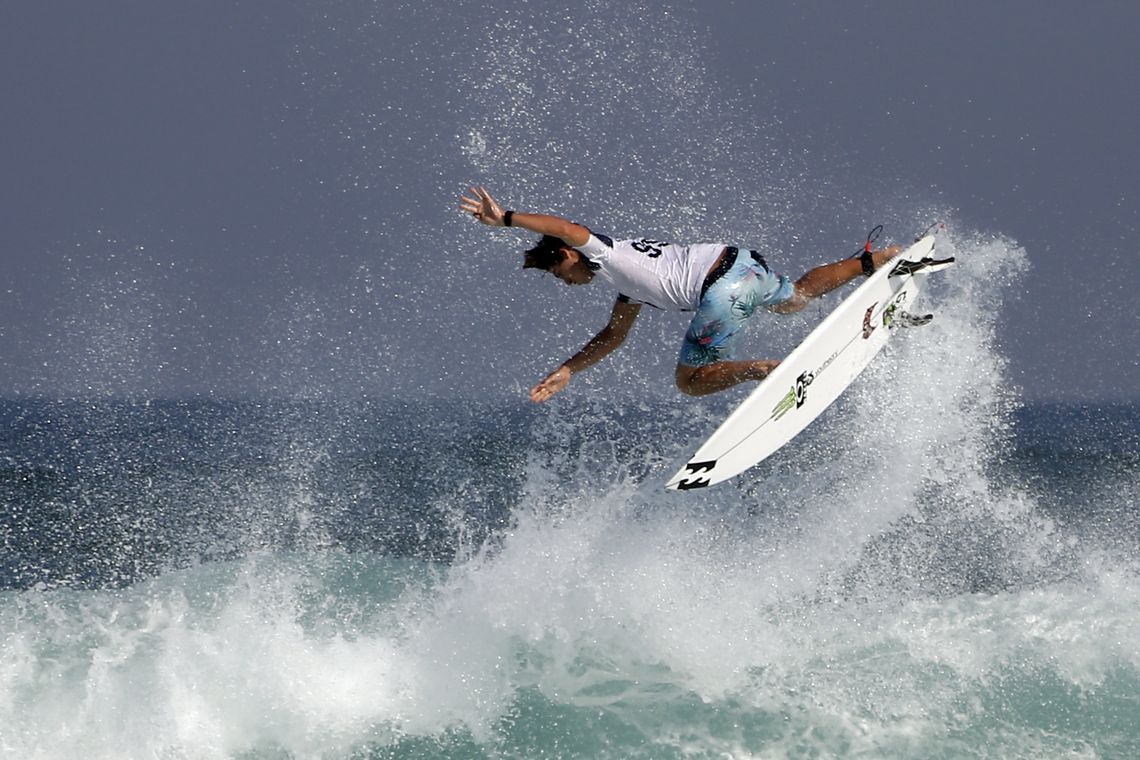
{"x": 664, "y": 275}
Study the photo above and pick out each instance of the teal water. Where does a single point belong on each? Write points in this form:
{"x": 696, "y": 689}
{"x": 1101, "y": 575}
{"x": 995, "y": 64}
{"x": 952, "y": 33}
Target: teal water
{"x": 352, "y": 656}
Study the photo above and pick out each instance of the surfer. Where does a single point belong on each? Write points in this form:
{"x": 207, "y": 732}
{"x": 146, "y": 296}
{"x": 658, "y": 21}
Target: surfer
{"x": 724, "y": 285}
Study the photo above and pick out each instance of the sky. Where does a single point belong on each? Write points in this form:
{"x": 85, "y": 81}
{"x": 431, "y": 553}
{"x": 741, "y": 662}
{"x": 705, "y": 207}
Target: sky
{"x": 254, "y": 198}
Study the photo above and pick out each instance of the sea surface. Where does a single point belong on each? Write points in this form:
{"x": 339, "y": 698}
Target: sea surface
{"x": 936, "y": 568}
{"x": 447, "y": 579}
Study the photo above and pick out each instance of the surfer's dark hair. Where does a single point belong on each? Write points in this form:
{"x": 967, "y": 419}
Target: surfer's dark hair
{"x": 546, "y": 254}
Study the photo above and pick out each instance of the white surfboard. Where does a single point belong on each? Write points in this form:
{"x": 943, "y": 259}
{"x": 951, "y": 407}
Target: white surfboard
{"x": 816, "y": 372}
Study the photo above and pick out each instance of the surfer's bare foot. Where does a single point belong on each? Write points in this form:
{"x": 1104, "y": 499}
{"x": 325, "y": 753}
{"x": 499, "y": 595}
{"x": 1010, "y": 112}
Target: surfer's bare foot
{"x": 882, "y": 257}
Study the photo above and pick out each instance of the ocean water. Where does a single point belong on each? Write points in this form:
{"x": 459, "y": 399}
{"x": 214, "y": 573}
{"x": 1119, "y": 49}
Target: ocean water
{"x": 934, "y": 569}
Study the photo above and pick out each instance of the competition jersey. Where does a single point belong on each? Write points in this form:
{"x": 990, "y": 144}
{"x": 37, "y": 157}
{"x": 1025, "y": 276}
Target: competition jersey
{"x": 665, "y": 275}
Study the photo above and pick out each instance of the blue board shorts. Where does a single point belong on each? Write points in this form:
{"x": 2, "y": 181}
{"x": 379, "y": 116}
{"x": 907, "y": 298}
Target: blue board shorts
{"x": 728, "y": 301}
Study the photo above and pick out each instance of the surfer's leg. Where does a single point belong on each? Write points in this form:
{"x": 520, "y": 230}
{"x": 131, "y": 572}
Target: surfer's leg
{"x": 700, "y": 381}
{"x": 705, "y": 362}
{"x": 826, "y": 278}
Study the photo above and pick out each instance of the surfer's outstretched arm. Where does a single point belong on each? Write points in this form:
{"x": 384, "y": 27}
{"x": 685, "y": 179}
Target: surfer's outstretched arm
{"x": 483, "y": 207}
{"x": 596, "y": 349}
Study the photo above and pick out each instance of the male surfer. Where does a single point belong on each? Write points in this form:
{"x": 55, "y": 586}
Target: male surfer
{"x": 724, "y": 285}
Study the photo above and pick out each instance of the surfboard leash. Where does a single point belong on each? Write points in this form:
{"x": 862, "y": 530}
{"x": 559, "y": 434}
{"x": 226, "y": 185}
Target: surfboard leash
{"x": 864, "y": 253}
{"x": 941, "y": 228}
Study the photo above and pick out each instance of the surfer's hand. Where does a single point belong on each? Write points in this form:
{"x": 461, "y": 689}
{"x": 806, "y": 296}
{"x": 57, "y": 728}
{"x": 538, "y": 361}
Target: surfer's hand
{"x": 483, "y": 207}
{"x": 554, "y": 382}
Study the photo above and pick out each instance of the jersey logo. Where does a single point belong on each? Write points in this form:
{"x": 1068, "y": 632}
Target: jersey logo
{"x": 651, "y": 247}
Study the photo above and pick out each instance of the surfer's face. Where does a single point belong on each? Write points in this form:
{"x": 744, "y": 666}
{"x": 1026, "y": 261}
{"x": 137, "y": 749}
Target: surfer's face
{"x": 572, "y": 269}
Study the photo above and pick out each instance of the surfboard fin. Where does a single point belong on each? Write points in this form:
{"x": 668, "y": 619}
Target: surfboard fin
{"x": 906, "y": 319}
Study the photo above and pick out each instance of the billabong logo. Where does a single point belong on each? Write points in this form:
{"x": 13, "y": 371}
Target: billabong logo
{"x": 694, "y": 468}
{"x": 868, "y": 327}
